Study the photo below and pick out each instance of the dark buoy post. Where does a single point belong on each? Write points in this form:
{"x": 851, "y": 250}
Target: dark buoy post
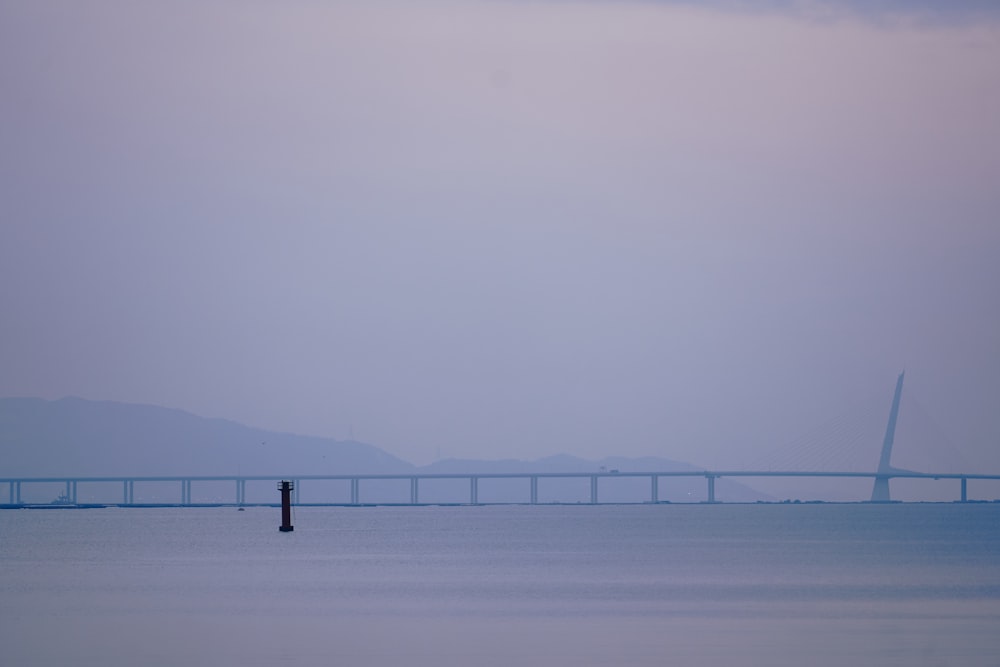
{"x": 286, "y": 487}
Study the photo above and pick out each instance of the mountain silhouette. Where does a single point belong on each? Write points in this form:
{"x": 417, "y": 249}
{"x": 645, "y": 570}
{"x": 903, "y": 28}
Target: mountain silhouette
{"x": 75, "y": 437}
{"x": 78, "y": 437}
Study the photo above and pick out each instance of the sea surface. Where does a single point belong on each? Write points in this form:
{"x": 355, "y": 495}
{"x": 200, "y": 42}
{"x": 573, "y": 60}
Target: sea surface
{"x": 698, "y": 585}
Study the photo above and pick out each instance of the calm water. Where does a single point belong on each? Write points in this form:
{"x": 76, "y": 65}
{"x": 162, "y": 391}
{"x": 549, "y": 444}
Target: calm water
{"x": 543, "y": 585}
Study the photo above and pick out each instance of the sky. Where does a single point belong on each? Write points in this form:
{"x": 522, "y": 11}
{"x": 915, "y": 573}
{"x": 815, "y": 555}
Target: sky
{"x": 508, "y": 229}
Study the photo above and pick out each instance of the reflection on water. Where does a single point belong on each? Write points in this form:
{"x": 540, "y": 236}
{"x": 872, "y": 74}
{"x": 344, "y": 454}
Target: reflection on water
{"x": 616, "y": 585}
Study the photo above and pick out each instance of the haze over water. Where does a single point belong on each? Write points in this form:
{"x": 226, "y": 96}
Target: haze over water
{"x": 491, "y": 229}
{"x": 506, "y": 229}
{"x": 530, "y": 585}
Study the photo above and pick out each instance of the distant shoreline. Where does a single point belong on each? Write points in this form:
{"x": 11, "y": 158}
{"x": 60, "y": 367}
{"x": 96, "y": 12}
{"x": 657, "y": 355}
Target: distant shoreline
{"x": 80, "y": 506}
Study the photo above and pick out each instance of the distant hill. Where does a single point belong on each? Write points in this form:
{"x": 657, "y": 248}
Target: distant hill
{"x": 558, "y": 463}
{"x": 74, "y": 437}
{"x": 78, "y": 437}
{"x": 625, "y": 489}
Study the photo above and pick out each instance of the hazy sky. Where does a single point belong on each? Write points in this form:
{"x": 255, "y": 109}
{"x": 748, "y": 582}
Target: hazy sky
{"x": 506, "y": 229}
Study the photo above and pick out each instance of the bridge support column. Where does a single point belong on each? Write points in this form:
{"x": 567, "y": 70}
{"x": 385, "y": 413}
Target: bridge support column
{"x": 414, "y": 490}
{"x": 185, "y": 492}
{"x": 534, "y": 490}
{"x": 880, "y": 490}
{"x": 711, "y": 488}
{"x": 654, "y": 488}
{"x": 131, "y": 492}
{"x": 355, "y": 491}
{"x": 965, "y": 489}
{"x": 18, "y": 493}
{"x": 474, "y": 490}
{"x": 593, "y": 489}
{"x": 11, "y": 492}
{"x": 296, "y": 498}
{"x": 240, "y": 492}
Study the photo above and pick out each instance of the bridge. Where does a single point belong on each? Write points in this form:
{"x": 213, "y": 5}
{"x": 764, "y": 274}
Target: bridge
{"x": 183, "y": 496}
{"x": 184, "y": 485}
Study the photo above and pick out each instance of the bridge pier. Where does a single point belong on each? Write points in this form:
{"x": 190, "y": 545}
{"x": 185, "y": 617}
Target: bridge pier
{"x": 711, "y": 488}
{"x": 355, "y": 491}
{"x": 185, "y": 492}
{"x": 474, "y": 490}
{"x": 593, "y": 489}
{"x": 965, "y": 490}
{"x": 654, "y": 488}
{"x": 296, "y": 498}
{"x": 414, "y": 490}
{"x": 241, "y": 492}
{"x": 534, "y": 490}
{"x": 11, "y": 492}
{"x": 880, "y": 490}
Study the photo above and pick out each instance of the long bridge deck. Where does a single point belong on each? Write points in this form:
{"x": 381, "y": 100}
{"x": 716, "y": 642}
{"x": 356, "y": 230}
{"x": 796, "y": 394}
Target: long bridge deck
{"x": 17, "y": 485}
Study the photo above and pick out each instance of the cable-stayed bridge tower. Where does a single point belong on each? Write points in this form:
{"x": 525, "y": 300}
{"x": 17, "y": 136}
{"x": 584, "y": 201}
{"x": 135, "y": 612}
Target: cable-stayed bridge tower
{"x": 880, "y": 491}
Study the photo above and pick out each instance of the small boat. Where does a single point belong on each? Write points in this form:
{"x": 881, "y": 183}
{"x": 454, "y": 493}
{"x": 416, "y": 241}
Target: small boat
{"x": 63, "y": 499}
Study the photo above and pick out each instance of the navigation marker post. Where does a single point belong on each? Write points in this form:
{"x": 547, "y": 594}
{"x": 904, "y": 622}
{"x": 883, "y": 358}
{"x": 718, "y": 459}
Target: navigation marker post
{"x": 286, "y": 486}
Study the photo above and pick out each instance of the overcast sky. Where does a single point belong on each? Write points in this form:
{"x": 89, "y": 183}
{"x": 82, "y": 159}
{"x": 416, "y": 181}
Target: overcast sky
{"x": 507, "y": 229}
